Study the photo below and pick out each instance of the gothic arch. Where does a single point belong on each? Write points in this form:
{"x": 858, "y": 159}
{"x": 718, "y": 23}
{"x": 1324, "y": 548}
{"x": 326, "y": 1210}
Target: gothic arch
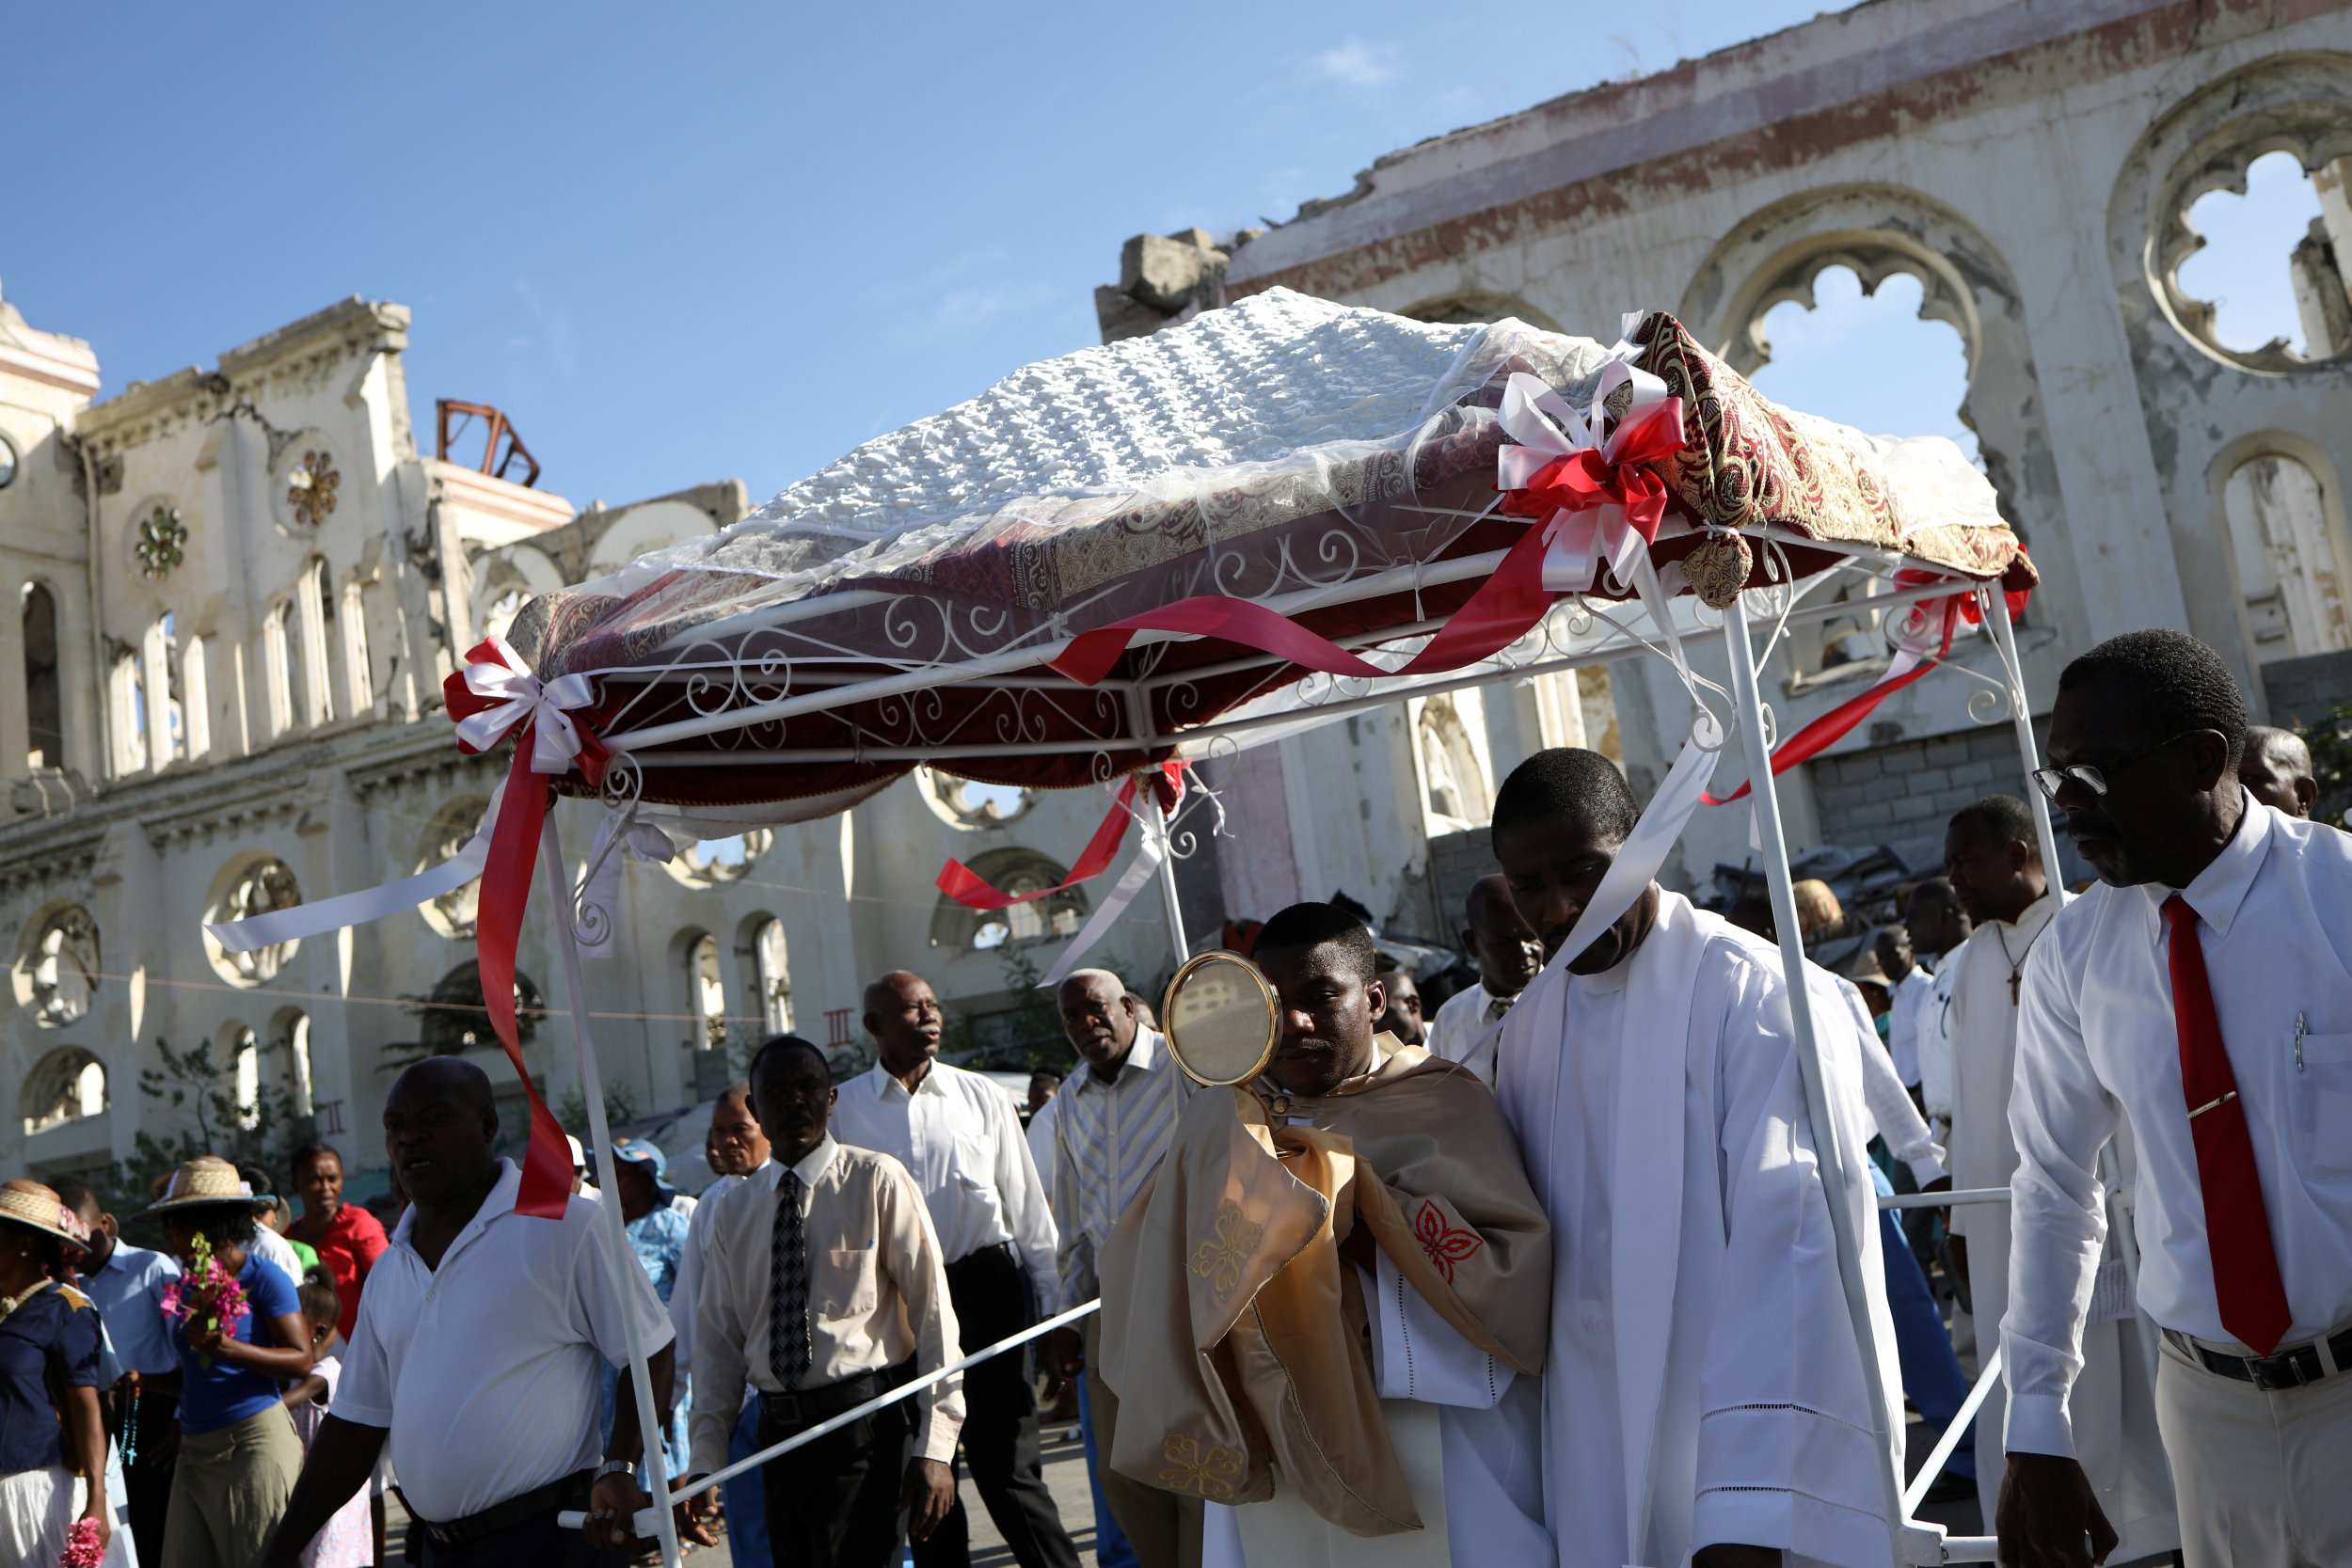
{"x": 1467, "y": 305}
{"x": 1776, "y": 253}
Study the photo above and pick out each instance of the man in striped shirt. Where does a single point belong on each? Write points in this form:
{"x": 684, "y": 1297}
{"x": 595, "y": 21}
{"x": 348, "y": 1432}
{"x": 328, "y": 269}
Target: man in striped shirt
{"x": 1112, "y": 1124}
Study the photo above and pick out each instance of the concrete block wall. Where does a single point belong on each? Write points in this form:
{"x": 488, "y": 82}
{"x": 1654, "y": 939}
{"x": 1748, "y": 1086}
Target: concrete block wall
{"x": 2303, "y": 689}
{"x": 1911, "y": 790}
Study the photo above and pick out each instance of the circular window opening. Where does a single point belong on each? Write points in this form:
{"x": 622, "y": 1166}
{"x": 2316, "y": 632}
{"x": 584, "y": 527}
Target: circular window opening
{"x": 968, "y": 803}
{"x": 2264, "y": 270}
{"x": 258, "y": 885}
{"x": 715, "y": 862}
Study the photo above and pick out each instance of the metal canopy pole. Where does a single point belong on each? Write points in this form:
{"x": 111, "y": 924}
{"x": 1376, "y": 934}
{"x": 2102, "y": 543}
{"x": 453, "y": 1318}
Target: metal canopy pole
{"x": 1827, "y": 1146}
{"x": 622, "y": 1257}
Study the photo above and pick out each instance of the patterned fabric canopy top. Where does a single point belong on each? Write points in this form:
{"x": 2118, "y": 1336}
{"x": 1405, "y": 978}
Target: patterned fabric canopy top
{"x": 1313, "y": 457}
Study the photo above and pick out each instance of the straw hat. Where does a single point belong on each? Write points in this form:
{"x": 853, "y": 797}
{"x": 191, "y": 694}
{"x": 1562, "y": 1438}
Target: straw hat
{"x": 29, "y": 1203}
{"x": 207, "y": 1181}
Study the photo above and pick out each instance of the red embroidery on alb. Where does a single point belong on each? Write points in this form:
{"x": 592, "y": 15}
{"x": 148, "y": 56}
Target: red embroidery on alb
{"x": 1445, "y": 1245}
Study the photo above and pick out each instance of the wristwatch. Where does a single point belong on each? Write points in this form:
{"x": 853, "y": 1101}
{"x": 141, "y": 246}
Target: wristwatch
{"x": 614, "y": 1467}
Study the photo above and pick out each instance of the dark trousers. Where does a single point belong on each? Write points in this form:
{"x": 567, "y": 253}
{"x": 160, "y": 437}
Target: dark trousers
{"x": 535, "y": 1539}
{"x": 1000, "y": 1435}
{"x": 835, "y": 1503}
{"x": 152, "y": 1423}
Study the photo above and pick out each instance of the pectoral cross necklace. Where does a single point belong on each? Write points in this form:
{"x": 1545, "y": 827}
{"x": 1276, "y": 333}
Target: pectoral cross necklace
{"x": 2017, "y": 964}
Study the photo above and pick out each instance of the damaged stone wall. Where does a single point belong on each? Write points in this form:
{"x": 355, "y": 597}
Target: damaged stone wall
{"x": 2032, "y": 166}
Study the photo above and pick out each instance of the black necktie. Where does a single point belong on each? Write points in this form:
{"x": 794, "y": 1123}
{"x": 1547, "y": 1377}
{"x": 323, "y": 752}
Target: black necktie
{"x": 788, "y": 1352}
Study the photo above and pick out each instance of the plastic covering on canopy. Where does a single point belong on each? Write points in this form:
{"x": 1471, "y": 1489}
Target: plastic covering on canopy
{"x": 1336, "y": 465}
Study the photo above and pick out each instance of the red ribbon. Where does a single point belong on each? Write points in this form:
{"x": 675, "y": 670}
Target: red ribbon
{"x": 967, "y": 887}
{"x": 1832, "y": 726}
{"x": 1504, "y": 607}
{"x": 547, "y": 1179}
{"x": 1584, "y": 479}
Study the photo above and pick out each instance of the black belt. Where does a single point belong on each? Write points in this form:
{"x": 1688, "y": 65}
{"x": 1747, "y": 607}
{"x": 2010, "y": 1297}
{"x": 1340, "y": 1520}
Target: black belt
{"x": 998, "y": 1252}
{"x": 2291, "y": 1367}
{"x": 802, "y": 1408}
{"x": 460, "y": 1533}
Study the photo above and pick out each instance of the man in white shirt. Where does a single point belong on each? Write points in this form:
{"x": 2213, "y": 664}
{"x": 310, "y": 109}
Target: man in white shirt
{"x": 957, "y": 1135}
{"x": 1907, "y": 989}
{"x": 1111, "y": 1128}
{"x": 1706, "y": 1399}
{"x": 1469, "y": 1027}
{"x": 2202, "y": 997}
{"x": 736, "y": 1149}
{"x": 1937, "y": 924}
{"x": 2276, "y": 771}
{"x": 1993, "y": 853}
{"x": 478, "y": 1355}
{"x": 825, "y": 1288}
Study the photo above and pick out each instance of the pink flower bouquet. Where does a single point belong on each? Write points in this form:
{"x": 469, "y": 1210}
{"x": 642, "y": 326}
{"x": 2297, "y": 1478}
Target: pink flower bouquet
{"x": 82, "y": 1547}
{"x": 209, "y": 1293}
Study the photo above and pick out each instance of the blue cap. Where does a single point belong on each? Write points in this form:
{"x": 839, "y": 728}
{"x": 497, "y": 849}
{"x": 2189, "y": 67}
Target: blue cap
{"x": 636, "y": 1151}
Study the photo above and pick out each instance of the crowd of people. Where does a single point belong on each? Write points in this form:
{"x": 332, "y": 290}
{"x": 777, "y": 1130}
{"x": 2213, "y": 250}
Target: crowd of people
{"x": 1549, "y": 1275}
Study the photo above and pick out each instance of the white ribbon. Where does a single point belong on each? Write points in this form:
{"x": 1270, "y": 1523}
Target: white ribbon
{"x": 1106, "y": 913}
{"x": 522, "y": 696}
{"x": 358, "y": 909}
{"x": 1577, "y": 544}
{"x": 599, "y": 894}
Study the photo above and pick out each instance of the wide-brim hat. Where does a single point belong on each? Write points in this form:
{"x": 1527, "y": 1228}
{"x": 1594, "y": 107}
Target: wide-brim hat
{"x": 29, "y": 1203}
{"x": 207, "y": 1183}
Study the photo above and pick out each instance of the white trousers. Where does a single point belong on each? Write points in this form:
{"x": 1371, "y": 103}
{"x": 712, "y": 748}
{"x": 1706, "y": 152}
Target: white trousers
{"x": 2263, "y": 1477}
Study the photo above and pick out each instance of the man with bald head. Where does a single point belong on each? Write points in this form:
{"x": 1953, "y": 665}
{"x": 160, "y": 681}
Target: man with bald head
{"x": 1111, "y": 1126}
{"x": 1503, "y": 946}
{"x": 2276, "y": 771}
{"x": 958, "y": 1135}
{"x": 474, "y": 1316}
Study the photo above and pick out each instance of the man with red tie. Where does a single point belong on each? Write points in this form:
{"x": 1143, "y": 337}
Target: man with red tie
{"x": 2203, "y": 992}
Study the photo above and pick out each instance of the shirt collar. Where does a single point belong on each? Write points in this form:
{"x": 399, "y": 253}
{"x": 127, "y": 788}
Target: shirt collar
{"x": 819, "y": 1160}
{"x": 1147, "y": 1054}
{"x": 500, "y": 1202}
{"x": 2219, "y": 891}
{"x": 887, "y": 1085}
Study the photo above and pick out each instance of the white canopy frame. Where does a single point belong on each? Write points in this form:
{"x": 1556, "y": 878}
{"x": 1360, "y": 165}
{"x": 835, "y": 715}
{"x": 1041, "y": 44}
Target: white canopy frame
{"x": 1580, "y": 631}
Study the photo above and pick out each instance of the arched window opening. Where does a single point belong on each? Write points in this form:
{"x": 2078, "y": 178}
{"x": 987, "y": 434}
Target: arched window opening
{"x": 65, "y": 1086}
{"x": 246, "y": 1071}
{"x": 57, "y": 967}
{"x": 2269, "y": 264}
{"x": 775, "y": 977}
{"x": 159, "y": 677}
{"x": 292, "y": 1043}
{"x": 454, "y": 1020}
{"x": 1015, "y": 871}
{"x": 706, "y": 993}
{"x": 2290, "y": 564}
{"x": 1454, "y": 780}
{"x": 452, "y": 828}
{"x": 44, "y": 705}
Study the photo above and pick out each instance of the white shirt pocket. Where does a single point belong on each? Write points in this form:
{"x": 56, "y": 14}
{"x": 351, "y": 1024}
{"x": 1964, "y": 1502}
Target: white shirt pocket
{"x": 2319, "y": 1087}
{"x": 849, "y": 1285}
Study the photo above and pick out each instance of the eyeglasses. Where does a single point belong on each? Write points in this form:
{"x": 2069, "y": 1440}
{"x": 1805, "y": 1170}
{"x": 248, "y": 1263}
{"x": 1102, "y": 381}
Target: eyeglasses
{"x": 2093, "y": 776}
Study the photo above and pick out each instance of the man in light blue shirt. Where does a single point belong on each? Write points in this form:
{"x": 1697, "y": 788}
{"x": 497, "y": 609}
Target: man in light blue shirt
{"x": 126, "y": 1284}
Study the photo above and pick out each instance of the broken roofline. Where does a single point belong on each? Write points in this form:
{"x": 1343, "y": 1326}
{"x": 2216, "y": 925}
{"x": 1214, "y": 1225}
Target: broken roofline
{"x": 1882, "y": 48}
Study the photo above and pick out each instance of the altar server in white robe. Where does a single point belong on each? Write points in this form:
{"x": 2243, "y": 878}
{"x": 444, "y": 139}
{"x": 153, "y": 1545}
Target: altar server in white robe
{"x": 1993, "y": 855}
{"x": 1704, "y": 1397}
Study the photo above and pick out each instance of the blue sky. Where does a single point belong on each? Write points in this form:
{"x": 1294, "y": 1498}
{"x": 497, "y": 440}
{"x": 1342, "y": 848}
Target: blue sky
{"x": 688, "y": 243}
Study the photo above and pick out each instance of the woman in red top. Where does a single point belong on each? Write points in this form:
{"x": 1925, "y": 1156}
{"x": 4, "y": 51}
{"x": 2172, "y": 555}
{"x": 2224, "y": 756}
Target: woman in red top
{"x": 346, "y": 1237}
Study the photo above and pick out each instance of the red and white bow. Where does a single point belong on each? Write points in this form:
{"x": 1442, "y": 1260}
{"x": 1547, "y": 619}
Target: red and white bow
{"x": 1587, "y": 476}
{"x": 496, "y": 692}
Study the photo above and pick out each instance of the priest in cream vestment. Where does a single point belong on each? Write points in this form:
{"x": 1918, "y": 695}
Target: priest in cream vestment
{"x": 1327, "y": 1315}
{"x": 1706, "y": 1399}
